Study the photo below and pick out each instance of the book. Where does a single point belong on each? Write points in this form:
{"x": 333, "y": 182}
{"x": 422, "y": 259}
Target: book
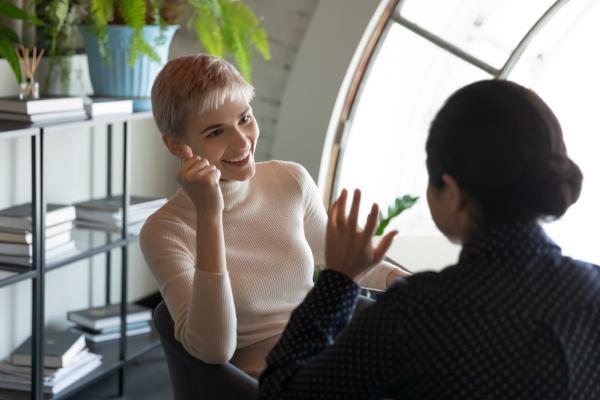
{"x": 24, "y": 263}
{"x": 108, "y": 105}
{"x": 26, "y": 249}
{"x": 108, "y": 316}
{"x": 26, "y": 236}
{"x": 43, "y": 105}
{"x": 50, "y": 374}
{"x": 57, "y": 382}
{"x": 113, "y": 333}
{"x": 72, "y": 115}
{"x": 112, "y": 204}
{"x": 19, "y": 216}
{"x": 132, "y": 228}
{"x": 60, "y": 348}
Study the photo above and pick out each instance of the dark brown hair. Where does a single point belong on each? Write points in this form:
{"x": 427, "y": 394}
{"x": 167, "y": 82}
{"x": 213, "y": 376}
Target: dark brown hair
{"x": 504, "y": 147}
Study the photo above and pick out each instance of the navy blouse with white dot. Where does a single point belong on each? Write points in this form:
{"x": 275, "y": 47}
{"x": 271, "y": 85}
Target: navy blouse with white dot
{"x": 513, "y": 319}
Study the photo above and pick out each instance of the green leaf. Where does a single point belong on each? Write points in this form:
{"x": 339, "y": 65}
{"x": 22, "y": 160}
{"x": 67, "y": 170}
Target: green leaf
{"x": 207, "y": 29}
{"x": 13, "y": 12}
{"x": 7, "y": 51}
{"x": 8, "y": 35}
{"x": 400, "y": 205}
{"x": 101, "y": 12}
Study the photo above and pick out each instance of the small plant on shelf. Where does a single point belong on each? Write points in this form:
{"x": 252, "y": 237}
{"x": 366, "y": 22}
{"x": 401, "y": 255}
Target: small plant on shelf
{"x": 9, "y": 40}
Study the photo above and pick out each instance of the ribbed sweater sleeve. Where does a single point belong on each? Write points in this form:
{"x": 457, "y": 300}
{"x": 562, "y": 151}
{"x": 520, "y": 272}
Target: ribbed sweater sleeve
{"x": 315, "y": 227}
{"x": 201, "y": 303}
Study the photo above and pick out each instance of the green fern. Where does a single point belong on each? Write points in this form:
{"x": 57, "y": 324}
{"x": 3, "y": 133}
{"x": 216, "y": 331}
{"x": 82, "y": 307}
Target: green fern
{"x": 400, "y": 205}
{"x": 134, "y": 15}
{"x": 230, "y": 26}
{"x": 101, "y": 12}
{"x": 9, "y": 38}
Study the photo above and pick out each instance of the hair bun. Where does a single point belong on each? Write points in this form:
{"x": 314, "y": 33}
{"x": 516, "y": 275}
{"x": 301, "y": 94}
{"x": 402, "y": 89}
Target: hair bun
{"x": 553, "y": 186}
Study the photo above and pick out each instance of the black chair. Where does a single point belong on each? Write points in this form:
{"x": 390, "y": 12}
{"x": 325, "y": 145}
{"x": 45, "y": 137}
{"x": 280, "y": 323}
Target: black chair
{"x": 191, "y": 379}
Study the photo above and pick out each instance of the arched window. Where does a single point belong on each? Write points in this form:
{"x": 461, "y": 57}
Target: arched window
{"x": 425, "y": 50}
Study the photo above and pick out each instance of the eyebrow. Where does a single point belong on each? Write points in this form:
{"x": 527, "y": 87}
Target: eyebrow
{"x": 214, "y": 126}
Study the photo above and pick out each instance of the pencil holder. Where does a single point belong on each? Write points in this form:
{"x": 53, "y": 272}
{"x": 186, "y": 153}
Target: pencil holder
{"x": 29, "y": 90}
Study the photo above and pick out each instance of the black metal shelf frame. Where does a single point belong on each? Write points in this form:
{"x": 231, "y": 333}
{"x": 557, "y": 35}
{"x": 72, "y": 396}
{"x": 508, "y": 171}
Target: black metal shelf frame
{"x": 40, "y": 267}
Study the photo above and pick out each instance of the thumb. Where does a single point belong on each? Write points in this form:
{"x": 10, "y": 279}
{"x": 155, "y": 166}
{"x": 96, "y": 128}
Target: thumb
{"x": 186, "y": 152}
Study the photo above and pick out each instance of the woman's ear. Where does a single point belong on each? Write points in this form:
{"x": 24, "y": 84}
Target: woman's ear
{"x": 173, "y": 145}
{"x": 455, "y": 195}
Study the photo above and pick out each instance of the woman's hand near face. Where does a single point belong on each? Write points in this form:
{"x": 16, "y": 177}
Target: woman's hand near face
{"x": 348, "y": 249}
{"x": 200, "y": 180}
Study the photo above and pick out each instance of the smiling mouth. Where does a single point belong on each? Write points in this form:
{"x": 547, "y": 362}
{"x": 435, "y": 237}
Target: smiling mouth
{"x": 239, "y": 160}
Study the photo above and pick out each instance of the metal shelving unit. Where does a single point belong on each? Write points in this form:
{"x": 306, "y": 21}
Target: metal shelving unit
{"x": 116, "y": 355}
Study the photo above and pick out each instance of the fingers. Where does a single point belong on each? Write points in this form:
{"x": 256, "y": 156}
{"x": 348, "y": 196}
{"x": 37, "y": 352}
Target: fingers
{"x": 353, "y": 217}
{"x": 186, "y": 152}
{"x": 341, "y": 210}
{"x": 383, "y": 247}
{"x": 372, "y": 221}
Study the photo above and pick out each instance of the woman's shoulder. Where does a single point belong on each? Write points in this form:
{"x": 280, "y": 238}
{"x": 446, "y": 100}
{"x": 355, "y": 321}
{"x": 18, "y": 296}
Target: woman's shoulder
{"x": 288, "y": 170}
{"x": 177, "y": 211}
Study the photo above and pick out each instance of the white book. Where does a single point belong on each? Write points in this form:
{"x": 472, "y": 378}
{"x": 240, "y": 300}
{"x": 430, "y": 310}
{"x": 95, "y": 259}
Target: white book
{"x": 108, "y": 316}
{"x": 57, "y": 386}
{"x": 43, "y": 105}
{"x": 23, "y": 249}
{"x": 50, "y": 374}
{"x": 19, "y": 216}
{"x": 44, "y": 117}
{"x": 132, "y": 228}
{"x": 23, "y": 263}
{"x": 105, "y": 337}
{"x": 108, "y": 105}
{"x": 26, "y": 236}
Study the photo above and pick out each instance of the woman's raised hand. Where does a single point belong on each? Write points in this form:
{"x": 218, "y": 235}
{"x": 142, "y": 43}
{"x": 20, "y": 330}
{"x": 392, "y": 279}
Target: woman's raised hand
{"x": 348, "y": 249}
{"x": 200, "y": 180}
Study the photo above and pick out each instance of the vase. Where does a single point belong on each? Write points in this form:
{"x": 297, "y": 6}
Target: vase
{"x": 65, "y": 76}
{"x": 119, "y": 79}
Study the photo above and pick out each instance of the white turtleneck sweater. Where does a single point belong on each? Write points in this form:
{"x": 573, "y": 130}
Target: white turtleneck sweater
{"x": 274, "y": 226}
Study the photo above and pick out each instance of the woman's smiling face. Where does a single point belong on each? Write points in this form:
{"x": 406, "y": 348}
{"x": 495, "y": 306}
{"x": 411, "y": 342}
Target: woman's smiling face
{"x": 227, "y": 138}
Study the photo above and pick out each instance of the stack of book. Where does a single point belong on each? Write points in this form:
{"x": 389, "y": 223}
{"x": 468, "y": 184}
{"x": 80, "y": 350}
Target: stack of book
{"x": 16, "y": 234}
{"x": 66, "y": 360}
{"x": 45, "y": 109}
{"x": 107, "y": 214}
{"x": 101, "y": 324}
{"x": 96, "y": 106}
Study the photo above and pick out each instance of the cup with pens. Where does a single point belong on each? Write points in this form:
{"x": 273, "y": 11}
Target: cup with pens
{"x": 30, "y": 88}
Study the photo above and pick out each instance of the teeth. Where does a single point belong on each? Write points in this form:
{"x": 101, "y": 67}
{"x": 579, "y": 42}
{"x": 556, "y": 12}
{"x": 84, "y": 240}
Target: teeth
{"x": 240, "y": 158}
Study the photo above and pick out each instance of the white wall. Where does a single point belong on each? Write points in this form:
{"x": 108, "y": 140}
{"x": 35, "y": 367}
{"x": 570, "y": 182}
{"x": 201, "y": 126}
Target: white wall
{"x": 75, "y": 170}
{"x": 313, "y": 98}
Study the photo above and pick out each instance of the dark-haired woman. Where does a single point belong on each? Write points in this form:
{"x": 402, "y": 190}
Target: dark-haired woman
{"x": 513, "y": 319}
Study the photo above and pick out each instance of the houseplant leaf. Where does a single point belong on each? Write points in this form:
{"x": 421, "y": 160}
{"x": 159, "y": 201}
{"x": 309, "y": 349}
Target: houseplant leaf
{"x": 400, "y": 205}
{"x": 7, "y": 51}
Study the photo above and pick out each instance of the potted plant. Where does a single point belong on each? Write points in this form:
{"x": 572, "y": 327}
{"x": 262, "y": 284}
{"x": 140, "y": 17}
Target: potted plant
{"x": 65, "y": 68}
{"x": 127, "y": 42}
{"x": 9, "y": 38}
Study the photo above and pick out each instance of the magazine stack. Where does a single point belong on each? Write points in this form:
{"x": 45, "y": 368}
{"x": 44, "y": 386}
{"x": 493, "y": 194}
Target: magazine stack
{"x": 44, "y": 110}
{"x": 66, "y": 360}
{"x": 107, "y": 214}
{"x": 16, "y": 235}
{"x": 102, "y": 324}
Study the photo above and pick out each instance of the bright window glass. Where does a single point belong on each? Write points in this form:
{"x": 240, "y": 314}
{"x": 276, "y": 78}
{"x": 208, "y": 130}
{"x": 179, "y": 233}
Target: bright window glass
{"x": 487, "y": 29}
{"x": 385, "y": 151}
{"x": 562, "y": 65}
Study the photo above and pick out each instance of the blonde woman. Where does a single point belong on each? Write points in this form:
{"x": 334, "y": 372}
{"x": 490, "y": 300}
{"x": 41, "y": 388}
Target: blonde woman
{"x": 233, "y": 251}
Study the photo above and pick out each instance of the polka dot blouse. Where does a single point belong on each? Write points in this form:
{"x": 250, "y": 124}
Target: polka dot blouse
{"x": 513, "y": 319}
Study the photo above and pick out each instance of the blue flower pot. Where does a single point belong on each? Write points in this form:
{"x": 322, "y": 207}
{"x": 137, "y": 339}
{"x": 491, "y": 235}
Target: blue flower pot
{"x": 118, "y": 78}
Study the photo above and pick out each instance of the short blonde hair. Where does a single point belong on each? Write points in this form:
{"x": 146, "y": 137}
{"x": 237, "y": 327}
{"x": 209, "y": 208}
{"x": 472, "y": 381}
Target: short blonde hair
{"x": 194, "y": 84}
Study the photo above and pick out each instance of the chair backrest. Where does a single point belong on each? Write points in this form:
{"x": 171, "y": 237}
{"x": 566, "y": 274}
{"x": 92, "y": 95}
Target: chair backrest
{"x": 192, "y": 379}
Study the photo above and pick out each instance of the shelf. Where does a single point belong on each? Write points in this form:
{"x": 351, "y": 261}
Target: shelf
{"x": 88, "y": 242}
{"x": 136, "y": 346}
{"x": 11, "y": 129}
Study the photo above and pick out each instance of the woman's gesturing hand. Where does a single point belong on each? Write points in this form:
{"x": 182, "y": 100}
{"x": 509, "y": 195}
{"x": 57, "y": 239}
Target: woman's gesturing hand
{"x": 348, "y": 249}
{"x": 200, "y": 180}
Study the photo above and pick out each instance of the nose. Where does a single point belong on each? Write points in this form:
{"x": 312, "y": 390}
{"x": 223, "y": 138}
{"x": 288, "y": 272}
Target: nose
{"x": 240, "y": 141}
